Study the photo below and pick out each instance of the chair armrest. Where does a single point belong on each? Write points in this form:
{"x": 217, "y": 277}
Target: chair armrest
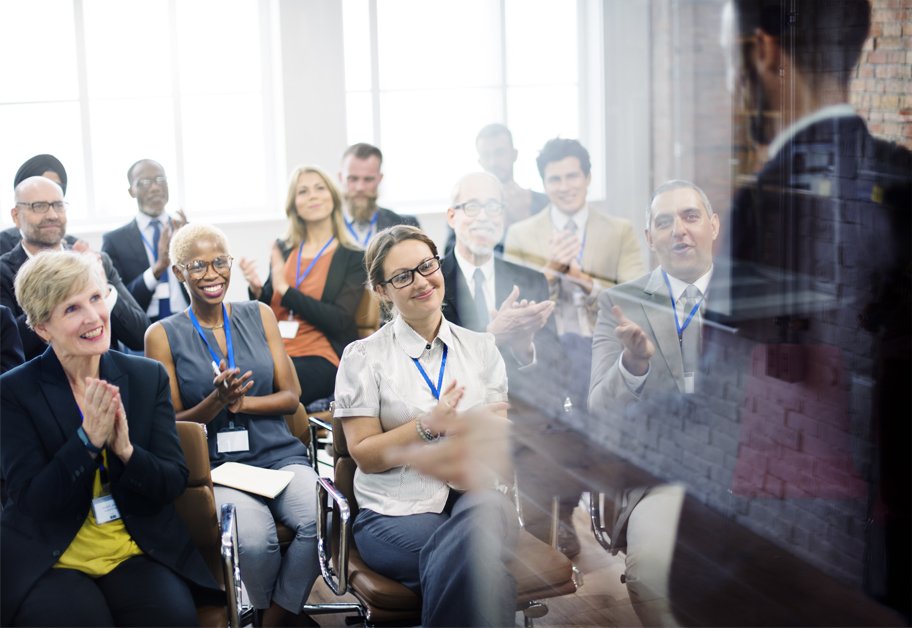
{"x": 231, "y": 567}
{"x": 338, "y": 582}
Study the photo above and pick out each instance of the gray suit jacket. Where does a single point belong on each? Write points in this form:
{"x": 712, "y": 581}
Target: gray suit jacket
{"x": 645, "y": 301}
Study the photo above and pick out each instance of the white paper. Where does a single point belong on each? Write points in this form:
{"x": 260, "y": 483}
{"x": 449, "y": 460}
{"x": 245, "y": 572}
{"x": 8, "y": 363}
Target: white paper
{"x": 245, "y": 477}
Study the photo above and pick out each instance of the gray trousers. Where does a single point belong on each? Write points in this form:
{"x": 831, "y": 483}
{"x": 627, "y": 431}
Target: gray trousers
{"x": 456, "y": 560}
{"x": 267, "y": 576}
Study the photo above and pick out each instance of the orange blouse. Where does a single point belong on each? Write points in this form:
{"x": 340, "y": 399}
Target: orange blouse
{"x": 309, "y": 341}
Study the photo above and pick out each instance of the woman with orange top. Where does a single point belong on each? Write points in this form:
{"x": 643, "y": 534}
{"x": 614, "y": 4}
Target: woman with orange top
{"x": 315, "y": 283}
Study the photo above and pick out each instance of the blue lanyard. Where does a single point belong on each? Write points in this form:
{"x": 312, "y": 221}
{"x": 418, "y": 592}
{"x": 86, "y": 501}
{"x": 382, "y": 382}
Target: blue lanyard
{"x": 370, "y": 232}
{"x": 228, "y": 345}
{"x": 579, "y": 257}
{"x": 435, "y": 390}
{"x": 299, "y": 278}
{"x": 674, "y": 309}
{"x": 148, "y": 244}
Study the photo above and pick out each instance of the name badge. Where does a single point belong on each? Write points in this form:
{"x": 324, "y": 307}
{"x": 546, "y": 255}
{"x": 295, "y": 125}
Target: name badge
{"x": 104, "y": 509}
{"x": 688, "y": 383}
{"x": 288, "y": 329}
{"x": 230, "y": 441}
{"x": 162, "y": 290}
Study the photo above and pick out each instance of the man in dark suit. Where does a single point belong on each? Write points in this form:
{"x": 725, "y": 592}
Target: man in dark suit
{"x": 484, "y": 292}
{"x": 10, "y": 344}
{"x": 139, "y": 249}
{"x": 826, "y": 228}
{"x": 40, "y": 214}
{"x": 360, "y": 179}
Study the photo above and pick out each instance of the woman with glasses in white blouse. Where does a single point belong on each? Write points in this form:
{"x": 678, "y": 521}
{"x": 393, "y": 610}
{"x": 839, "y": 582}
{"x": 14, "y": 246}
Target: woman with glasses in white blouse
{"x": 399, "y": 392}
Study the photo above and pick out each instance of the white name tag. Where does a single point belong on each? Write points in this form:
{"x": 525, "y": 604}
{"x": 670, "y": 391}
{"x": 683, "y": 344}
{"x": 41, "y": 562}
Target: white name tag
{"x": 688, "y": 383}
{"x": 104, "y": 509}
{"x": 162, "y": 290}
{"x": 230, "y": 441}
{"x": 288, "y": 329}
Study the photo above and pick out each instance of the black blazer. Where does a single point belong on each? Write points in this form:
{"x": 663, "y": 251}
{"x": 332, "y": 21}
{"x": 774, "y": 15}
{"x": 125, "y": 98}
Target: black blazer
{"x": 541, "y": 385}
{"x": 127, "y": 251}
{"x": 128, "y": 320}
{"x": 49, "y": 473}
{"x": 10, "y": 344}
{"x": 389, "y": 218}
{"x": 334, "y": 312}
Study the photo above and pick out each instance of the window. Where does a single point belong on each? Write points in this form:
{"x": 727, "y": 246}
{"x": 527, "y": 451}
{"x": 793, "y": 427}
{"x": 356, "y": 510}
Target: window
{"x": 422, "y": 94}
{"x": 108, "y": 82}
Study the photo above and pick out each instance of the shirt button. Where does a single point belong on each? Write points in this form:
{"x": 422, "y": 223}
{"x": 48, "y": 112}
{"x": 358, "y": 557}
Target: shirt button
{"x": 56, "y": 553}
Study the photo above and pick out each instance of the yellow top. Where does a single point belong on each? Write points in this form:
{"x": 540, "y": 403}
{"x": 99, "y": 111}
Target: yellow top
{"x": 97, "y": 550}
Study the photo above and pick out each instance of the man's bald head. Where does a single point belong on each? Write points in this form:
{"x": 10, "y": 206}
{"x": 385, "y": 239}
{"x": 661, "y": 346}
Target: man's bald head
{"x": 39, "y": 213}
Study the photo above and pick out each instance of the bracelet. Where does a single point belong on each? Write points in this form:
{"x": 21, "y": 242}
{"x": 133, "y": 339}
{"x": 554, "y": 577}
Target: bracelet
{"x": 424, "y": 432}
{"x": 85, "y": 441}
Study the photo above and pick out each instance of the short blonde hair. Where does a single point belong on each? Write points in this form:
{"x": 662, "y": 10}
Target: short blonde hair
{"x": 297, "y": 228}
{"x": 51, "y": 277}
{"x": 185, "y": 237}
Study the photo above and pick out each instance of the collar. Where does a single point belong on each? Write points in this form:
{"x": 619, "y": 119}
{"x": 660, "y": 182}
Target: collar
{"x": 30, "y": 255}
{"x": 143, "y": 220}
{"x": 559, "y": 219}
{"x": 412, "y": 343}
{"x": 678, "y": 286}
{"x": 843, "y": 110}
{"x": 468, "y": 268}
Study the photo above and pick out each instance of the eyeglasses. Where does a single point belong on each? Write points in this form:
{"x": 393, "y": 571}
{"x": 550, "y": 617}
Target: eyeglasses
{"x": 41, "y": 207}
{"x": 197, "y": 268}
{"x": 144, "y": 183}
{"x": 428, "y": 267}
{"x": 473, "y": 208}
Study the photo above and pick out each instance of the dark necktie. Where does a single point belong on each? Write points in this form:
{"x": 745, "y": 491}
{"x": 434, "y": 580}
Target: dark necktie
{"x": 164, "y": 305}
{"x": 481, "y": 304}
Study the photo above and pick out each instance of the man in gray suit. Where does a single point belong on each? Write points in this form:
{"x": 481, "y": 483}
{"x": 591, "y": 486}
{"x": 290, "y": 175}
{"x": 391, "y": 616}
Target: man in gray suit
{"x": 646, "y": 343}
{"x": 639, "y": 342}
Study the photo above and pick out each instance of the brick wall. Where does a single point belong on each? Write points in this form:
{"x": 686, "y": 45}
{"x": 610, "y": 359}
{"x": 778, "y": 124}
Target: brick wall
{"x": 881, "y": 90}
{"x": 791, "y": 461}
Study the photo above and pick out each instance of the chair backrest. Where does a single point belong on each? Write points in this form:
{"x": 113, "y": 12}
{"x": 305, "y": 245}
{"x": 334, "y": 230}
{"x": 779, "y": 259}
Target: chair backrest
{"x": 345, "y": 466}
{"x": 196, "y": 505}
{"x": 367, "y": 317}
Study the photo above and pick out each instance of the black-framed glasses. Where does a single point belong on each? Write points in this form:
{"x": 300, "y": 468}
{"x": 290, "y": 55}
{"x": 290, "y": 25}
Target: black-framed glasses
{"x": 473, "y": 208}
{"x": 197, "y": 268}
{"x": 144, "y": 183}
{"x": 406, "y": 277}
{"x": 42, "y": 207}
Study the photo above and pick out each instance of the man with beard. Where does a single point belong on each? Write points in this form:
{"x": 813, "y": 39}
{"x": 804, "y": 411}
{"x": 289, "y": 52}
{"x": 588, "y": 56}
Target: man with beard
{"x": 360, "y": 179}
{"x": 139, "y": 249}
{"x": 823, "y": 238}
{"x": 496, "y": 155}
{"x": 40, "y": 165}
{"x": 40, "y": 215}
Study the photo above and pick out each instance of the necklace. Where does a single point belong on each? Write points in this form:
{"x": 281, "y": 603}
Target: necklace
{"x": 213, "y": 327}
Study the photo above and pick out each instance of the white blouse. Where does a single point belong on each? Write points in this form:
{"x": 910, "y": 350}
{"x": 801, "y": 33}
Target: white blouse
{"x": 377, "y": 378}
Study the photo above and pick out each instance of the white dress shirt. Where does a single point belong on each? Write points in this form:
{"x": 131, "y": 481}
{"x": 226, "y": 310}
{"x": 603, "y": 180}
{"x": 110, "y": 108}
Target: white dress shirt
{"x": 559, "y": 219}
{"x": 468, "y": 272}
{"x": 178, "y": 302}
{"x": 843, "y": 110}
{"x": 377, "y": 378}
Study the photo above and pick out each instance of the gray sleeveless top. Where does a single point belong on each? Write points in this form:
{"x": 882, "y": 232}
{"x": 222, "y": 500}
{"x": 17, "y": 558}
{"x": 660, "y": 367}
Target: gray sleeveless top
{"x": 271, "y": 444}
